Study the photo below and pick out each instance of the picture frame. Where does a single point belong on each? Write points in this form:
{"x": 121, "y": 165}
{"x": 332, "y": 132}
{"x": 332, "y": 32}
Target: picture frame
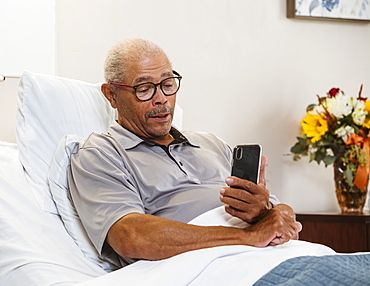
{"x": 340, "y": 10}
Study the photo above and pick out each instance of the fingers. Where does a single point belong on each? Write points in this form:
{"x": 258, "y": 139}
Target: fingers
{"x": 248, "y": 217}
{"x": 244, "y": 205}
{"x": 261, "y": 179}
{"x": 238, "y": 183}
{"x": 288, "y": 229}
{"x": 245, "y": 199}
{"x": 278, "y": 241}
{"x": 299, "y": 226}
{"x": 275, "y": 228}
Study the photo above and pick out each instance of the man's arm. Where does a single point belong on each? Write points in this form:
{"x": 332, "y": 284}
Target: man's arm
{"x": 148, "y": 237}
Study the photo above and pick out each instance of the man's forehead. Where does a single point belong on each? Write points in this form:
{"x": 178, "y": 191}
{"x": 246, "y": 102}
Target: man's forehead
{"x": 148, "y": 78}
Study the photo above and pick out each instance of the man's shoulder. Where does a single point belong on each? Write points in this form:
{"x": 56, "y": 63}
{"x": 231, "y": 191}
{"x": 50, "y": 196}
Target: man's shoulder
{"x": 202, "y": 136}
{"x": 96, "y": 140}
{"x": 205, "y": 139}
{"x": 116, "y": 135}
{"x": 99, "y": 144}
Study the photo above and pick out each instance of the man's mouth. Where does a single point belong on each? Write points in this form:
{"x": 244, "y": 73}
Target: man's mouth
{"x": 160, "y": 116}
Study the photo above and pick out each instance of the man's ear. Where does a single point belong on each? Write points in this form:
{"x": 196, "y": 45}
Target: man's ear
{"x": 106, "y": 89}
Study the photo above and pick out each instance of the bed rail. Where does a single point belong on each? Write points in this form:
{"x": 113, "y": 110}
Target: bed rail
{"x": 4, "y": 77}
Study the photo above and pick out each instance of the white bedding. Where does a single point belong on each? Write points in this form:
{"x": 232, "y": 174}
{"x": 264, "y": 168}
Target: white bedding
{"x": 35, "y": 248}
{"x": 226, "y": 265}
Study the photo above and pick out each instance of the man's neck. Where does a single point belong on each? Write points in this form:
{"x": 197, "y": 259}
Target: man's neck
{"x": 164, "y": 140}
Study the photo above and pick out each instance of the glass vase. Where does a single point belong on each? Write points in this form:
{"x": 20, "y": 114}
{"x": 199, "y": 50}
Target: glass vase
{"x": 351, "y": 199}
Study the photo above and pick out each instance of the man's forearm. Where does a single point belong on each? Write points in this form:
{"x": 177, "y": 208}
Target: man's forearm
{"x": 148, "y": 237}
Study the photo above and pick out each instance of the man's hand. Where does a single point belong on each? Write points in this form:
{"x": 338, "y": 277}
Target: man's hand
{"x": 246, "y": 200}
{"x": 276, "y": 227}
{"x": 272, "y": 225}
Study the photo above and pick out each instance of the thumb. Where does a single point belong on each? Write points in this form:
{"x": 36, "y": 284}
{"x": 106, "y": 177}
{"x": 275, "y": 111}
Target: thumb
{"x": 261, "y": 179}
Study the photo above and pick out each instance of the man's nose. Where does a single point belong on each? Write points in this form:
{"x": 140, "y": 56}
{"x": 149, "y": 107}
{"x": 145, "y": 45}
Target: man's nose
{"x": 159, "y": 97}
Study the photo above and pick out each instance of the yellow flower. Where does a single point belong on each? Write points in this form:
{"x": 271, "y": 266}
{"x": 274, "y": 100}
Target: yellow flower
{"x": 366, "y": 123}
{"x": 314, "y": 126}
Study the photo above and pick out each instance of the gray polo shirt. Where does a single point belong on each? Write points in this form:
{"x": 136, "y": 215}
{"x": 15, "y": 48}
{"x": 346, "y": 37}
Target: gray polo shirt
{"x": 118, "y": 173}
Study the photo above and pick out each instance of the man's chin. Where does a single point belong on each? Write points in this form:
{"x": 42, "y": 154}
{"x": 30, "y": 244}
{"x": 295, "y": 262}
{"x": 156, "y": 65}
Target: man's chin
{"x": 162, "y": 130}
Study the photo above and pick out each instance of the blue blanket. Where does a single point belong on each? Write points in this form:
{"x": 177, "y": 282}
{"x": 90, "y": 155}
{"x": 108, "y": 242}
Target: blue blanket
{"x": 349, "y": 270}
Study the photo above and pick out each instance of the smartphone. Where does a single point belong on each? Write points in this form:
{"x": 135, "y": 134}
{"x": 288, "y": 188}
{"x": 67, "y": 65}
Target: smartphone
{"x": 246, "y": 162}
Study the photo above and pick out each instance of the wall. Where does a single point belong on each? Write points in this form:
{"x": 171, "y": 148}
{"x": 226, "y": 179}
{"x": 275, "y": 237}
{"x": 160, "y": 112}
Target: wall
{"x": 27, "y": 36}
{"x": 249, "y": 72}
{"x": 27, "y": 43}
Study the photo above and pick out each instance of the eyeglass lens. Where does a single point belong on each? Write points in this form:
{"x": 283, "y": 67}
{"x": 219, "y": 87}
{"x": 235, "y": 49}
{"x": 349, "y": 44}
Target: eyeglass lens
{"x": 169, "y": 86}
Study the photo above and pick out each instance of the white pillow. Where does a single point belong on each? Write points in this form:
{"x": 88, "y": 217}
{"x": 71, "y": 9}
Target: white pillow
{"x": 58, "y": 182}
{"x": 50, "y": 107}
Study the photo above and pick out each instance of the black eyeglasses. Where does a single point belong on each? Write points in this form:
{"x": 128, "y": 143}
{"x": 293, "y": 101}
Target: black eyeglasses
{"x": 145, "y": 91}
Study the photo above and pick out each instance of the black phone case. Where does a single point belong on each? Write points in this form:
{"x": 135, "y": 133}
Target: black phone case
{"x": 246, "y": 162}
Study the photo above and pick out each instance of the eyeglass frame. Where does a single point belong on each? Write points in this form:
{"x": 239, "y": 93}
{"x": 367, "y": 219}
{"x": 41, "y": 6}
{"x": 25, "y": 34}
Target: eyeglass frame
{"x": 177, "y": 75}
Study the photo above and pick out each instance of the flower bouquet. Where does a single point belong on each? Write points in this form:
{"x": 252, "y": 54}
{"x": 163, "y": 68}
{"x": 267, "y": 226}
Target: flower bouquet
{"x": 336, "y": 131}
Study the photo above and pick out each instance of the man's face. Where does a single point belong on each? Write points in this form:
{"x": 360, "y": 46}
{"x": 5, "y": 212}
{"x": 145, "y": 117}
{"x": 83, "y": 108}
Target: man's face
{"x": 148, "y": 119}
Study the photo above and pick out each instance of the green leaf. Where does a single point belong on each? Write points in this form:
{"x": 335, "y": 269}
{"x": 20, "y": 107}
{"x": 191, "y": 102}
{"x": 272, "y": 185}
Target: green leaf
{"x": 311, "y": 107}
{"x": 312, "y": 157}
{"x": 328, "y": 160}
{"x": 302, "y": 140}
{"x": 297, "y": 148}
{"x": 296, "y": 157}
{"x": 319, "y": 156}
{"x": 301, "y": 147}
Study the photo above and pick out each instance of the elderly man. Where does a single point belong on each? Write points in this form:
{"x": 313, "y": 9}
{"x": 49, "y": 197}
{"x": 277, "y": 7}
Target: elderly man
{"x": 136, "y": 187}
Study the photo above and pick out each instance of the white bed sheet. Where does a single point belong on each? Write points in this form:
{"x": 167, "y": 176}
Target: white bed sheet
{"x": 35, "y": 249}
{"x": 225, "y": 265}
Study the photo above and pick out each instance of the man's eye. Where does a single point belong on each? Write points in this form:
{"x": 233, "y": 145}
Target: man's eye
{"x": 143, "y": 88}
{"x": 169, "y": 83}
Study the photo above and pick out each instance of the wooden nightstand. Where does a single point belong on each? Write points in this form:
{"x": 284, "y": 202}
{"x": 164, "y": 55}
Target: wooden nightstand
{"x": 343, "y": 233}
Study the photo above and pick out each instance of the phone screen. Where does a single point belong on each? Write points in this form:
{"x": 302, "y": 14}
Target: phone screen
{"x": 246, "y": 162}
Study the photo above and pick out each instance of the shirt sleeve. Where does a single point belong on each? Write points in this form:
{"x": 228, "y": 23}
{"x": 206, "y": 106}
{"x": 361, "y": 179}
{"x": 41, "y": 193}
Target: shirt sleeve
{"x": 102, "y": 191}
{"x": 274, "y": 200}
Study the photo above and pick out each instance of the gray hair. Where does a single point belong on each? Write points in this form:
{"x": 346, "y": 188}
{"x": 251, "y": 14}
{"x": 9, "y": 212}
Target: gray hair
{"x": 125, "y": 53}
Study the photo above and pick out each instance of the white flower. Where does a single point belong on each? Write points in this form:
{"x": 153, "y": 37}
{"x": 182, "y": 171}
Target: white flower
{"x": 329, "y": 152}
{"x": 312, "y": 149}
{"x": 340, "y": 106}
{"x": 344, "y": 132}
{"x": 359, "y": 114}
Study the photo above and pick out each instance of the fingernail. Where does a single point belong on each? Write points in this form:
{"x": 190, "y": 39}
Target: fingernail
{"x": 222, "y": 191}
{"x": 229, "y": 181}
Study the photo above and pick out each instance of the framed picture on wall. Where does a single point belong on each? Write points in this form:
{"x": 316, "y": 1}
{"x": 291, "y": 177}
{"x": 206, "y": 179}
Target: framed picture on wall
{"x": 353, "y": 10}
